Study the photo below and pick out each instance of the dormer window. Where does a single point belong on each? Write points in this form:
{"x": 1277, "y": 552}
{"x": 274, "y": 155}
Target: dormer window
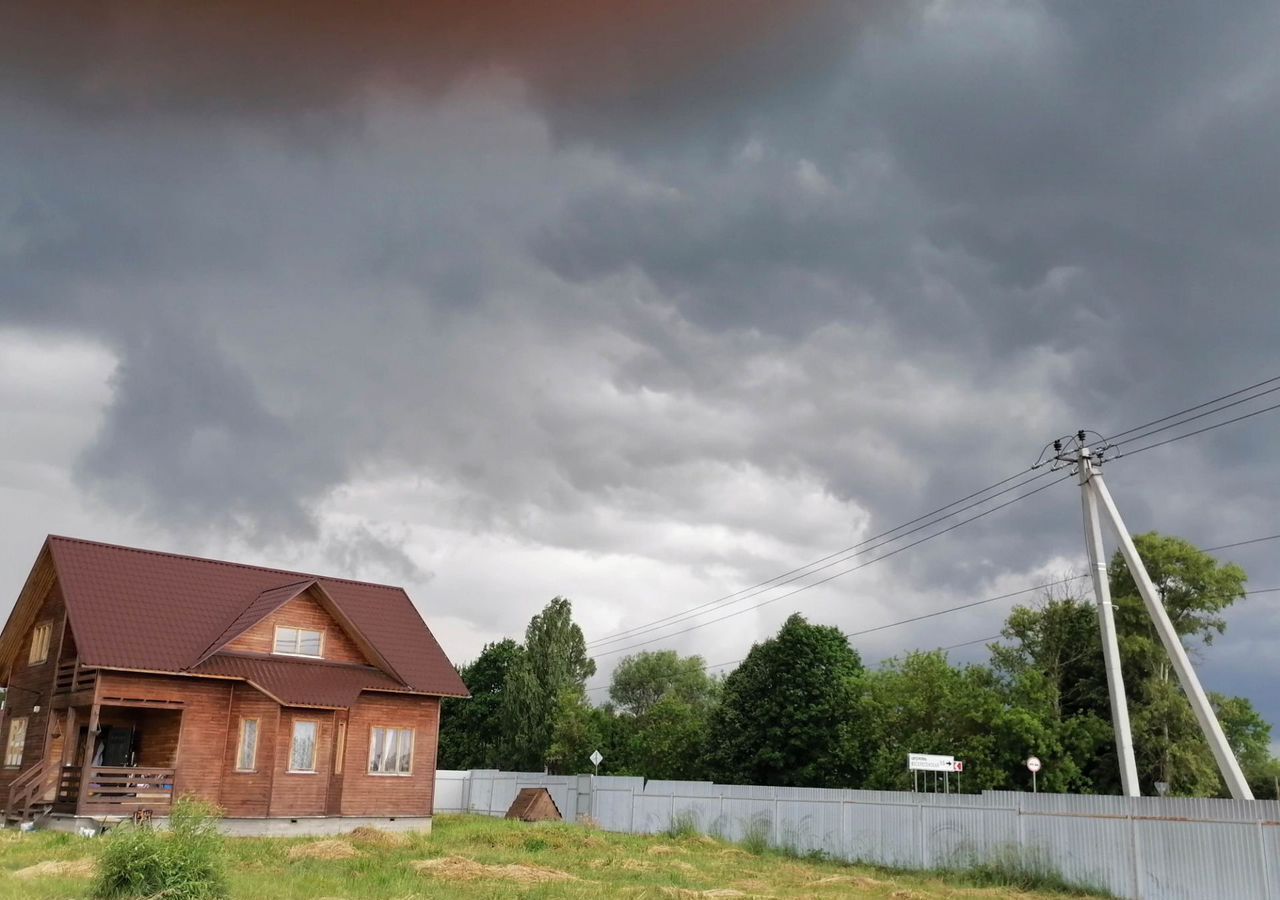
{"x": 299, "y": 642}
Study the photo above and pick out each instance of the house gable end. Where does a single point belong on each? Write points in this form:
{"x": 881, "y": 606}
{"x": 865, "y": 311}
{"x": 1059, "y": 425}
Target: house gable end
{"x": 35, "y": 595}
{"x": 303, "y": 611}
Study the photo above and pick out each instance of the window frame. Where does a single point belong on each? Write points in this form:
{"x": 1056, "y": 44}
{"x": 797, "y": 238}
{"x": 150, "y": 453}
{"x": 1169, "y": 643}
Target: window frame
{"x": 275, "y": 642}
{"x": 9, "y": 745}
{"x": 413, "y": 746}
{"x": 340, "y": 748}
{"x": 315, "y": 747}
{"x": 45, "y": 629}
{"x": 257, "y": 739}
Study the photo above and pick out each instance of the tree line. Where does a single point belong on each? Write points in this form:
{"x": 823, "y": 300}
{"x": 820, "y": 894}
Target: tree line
{"x": 803, "y": 710}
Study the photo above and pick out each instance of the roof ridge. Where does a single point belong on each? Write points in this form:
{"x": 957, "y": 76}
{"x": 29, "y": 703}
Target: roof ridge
{"x": 302, "y": 576}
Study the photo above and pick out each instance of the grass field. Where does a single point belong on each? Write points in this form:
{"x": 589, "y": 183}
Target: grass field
{"x": 472, "y": 857}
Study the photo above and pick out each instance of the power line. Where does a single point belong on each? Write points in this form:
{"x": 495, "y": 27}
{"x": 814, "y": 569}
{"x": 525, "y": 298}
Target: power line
{"x": 1243, "y": 390}
{"x": 1210, "y": 412}
{"x": 836, "y": 575}
{"x": 810, "y": 569}
{"x": 843, "y": 555}
{"x": 1270, "y": 537}
{"x": 970, "y": 605}
{"x": 1256, "y": 412}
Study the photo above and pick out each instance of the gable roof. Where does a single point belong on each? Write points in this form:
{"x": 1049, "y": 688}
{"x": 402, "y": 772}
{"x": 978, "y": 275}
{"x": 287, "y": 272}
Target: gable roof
{"x": 153, "y": 611}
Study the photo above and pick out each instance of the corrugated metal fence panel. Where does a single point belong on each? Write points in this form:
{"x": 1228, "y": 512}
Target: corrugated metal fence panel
{"x": 451, "y": 790}
{"x": 1152, "y": 848}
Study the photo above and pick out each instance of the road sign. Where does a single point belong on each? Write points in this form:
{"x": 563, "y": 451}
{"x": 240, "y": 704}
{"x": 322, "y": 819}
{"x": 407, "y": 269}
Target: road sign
{"x": 596, "y": 759}
{"x": 958, "y": 766}
{"x": 1033, "y": 765}
{"x": 928, "y": 762}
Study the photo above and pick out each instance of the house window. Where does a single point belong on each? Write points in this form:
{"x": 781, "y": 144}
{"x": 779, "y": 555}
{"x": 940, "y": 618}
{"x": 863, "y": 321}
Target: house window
{"x": 299, "y": 642}
{"x": 17, "y": 741}
{"x": 302, "y": 751}
{"x": 391, "y": 751}
{"x": 40, "y": 643}
{"x": 247, "y": 753}
{"x": 340, "y": 751}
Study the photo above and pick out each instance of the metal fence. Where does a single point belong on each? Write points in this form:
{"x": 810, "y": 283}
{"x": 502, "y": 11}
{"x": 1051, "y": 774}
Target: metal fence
{"x": 1150, "y": 848}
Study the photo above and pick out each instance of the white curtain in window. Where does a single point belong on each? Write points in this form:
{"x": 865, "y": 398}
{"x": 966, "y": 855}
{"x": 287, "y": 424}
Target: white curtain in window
{"x": 302, "y": 754}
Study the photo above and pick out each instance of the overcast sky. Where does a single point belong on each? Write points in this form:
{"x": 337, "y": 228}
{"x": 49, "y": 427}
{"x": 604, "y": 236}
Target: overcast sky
{"x": 637, "y": 307}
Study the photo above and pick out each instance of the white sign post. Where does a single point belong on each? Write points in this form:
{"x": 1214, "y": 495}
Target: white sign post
{"x": 1033, "y": 766}
{"x": 596, "y": 759}
{"x": 930, "y": 762}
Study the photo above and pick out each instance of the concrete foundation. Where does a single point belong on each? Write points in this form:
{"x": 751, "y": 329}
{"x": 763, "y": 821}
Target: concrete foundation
{"x": 302, "y": 826}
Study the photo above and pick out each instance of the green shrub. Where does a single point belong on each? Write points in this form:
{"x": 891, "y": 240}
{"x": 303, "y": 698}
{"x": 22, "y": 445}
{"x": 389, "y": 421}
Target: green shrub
{"x": 685, "y": 825}
{"x": 184, "y": 862}
{"x": 756, "y": 840}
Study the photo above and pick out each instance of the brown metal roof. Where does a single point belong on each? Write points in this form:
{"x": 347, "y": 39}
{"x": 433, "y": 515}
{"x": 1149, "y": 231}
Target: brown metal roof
{"x": 142, "y": 609}
{"x": 299, "y": 682}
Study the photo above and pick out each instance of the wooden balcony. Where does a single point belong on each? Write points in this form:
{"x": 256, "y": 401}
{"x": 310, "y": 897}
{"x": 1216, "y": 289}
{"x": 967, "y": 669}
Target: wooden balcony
{"x": 117, "y": 790}
{"x": 72, "y": 680}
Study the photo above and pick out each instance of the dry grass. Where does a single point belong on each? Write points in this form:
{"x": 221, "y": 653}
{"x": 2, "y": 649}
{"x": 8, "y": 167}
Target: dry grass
{"x": 367, "y": 836}
{"x": 459, "y": 868}
{"x": 471, "y": 858}
{"x": 330, "y": 849}
{"x": 59, "y": 868}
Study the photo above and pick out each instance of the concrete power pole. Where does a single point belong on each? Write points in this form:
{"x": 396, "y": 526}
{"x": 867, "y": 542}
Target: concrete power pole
{"x": 1107, "y": 626}
{"x": 1097, "y": 498}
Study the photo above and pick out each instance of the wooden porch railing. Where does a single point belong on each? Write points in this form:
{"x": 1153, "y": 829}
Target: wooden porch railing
{"x": 30, "y": 790}
{"x": 72, "y": 678}
{"x": 120, "y": 790}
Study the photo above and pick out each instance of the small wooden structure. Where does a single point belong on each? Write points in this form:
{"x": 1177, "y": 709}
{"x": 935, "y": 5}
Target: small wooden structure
{"x": 534, "y": 805}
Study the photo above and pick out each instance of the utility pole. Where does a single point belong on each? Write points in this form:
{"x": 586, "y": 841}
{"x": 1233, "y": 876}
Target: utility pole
{"x": 1097, "y": 499}
{"x": 1107, "y": 626}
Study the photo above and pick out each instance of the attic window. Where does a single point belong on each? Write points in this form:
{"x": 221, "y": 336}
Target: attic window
{"x": 40, "y": 636}
{"x": 299, "y": 642}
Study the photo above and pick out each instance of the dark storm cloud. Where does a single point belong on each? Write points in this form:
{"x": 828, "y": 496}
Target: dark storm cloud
{"x": 640, "y": 58}
{"x": 664, "y": 263}
{"x": 188, "y": 432}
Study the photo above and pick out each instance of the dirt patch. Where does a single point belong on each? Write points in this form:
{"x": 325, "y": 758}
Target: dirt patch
{"x": 60, "y": 868}
{"x": 367, "y": 836}
{"x": 330, "y": 849}
{"x": 459, "y": 868}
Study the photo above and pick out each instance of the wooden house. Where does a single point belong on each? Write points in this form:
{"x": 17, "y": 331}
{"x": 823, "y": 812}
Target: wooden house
{"x": 297, "y": 703}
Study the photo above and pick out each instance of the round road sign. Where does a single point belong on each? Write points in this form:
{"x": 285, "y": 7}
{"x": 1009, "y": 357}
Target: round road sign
{"x": 1033, "y": 764}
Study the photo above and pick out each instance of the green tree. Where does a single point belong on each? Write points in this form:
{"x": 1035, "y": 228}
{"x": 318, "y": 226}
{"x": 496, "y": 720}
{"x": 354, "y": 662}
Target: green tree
{"x": 1195, "y": 590}
{"x": 554, "y": 662}
{"x": 1052, "y": 671}
{"x": 471, "y": 730}
{"x": 641, "y": 681}
{"x": 790, "y": 715}
{"x": 579, "y": 728}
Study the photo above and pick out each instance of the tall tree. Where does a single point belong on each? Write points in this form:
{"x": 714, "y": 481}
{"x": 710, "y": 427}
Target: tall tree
{"x": 790, "y": 714}
{"x": 664, "y": 702}
{"x": 471, "y": 730}
{"x": 641, "y": 681}
{"x": 1195, "y": 589}
{"x": 550, "y": 673}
